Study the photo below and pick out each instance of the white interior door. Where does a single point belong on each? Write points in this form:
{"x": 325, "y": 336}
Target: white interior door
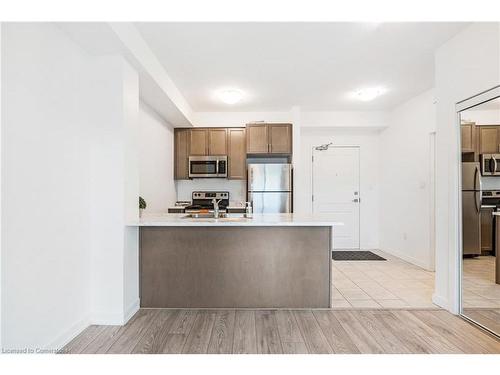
{"x": 336, "y": 191}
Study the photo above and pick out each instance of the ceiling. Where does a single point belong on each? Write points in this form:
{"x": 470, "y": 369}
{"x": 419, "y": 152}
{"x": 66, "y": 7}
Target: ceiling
{"x": 311, "y": 65}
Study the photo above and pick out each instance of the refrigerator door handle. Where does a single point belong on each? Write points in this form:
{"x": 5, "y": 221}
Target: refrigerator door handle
{"x": 478, "y": 187}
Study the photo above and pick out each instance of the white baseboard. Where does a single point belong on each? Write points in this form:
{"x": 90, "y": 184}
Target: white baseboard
{"x": 131, "y": 310}
{"x": 107, "y": 319}
{"x": 409, "y": 259}
{"x": 69, "y": 334}
{"x": 440, "y": 301}
{"x": 115, "y": 318}
{"x": 102, "y": 318}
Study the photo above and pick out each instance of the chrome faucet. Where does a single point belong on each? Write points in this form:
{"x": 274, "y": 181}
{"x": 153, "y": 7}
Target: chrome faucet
{"x": 216, "y": 207}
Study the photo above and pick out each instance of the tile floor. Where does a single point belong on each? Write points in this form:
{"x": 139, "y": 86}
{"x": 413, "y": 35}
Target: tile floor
{"x": 381, "y": 284}
{"x": 479, "y": 288}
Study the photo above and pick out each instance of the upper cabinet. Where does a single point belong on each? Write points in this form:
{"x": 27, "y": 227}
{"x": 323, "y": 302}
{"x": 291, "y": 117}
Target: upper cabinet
{"x": 211, "y": 141}
{"x": 236, "y": 143}
{"x": 198, "y": 142}
{"x": 488, "y": 139}
{"x": 269, "y": 138}
{"x": 236, "y": 154}
{"x": 257, "y": 139}
{"x": 479, "y": 139}
{"x": 280, "y": 139}
{"x": 217, "y": 141}
{"x": 181, "y": 153}
{"x": 468, "y": 136}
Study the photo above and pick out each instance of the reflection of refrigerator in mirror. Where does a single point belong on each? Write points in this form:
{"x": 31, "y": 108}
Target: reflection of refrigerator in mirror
{"x": 471, "y": 208}
{"x": 480, "y": 265}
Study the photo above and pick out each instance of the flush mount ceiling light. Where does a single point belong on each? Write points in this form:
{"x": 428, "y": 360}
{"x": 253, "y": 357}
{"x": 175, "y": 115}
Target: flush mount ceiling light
{"x": 368, "y": 94}
{"x": 230, "y": 96}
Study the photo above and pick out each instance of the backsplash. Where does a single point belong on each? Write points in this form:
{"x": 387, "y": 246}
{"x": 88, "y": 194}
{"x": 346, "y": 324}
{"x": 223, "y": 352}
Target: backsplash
{"x": 236, "y": 188}
{"x": 491, "y": 183}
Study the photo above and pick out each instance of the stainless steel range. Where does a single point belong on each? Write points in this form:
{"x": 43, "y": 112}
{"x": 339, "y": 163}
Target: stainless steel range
{"x": 203, "y": 201}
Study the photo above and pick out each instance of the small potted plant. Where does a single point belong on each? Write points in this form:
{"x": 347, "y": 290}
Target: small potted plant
{"x": 142, "y": 206}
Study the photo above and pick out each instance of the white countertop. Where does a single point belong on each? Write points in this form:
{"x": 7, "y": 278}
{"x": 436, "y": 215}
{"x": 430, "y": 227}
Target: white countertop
{"x": 258, "y": 220}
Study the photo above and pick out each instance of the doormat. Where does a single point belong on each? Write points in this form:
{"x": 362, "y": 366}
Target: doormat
{"x": 355, "y": 255}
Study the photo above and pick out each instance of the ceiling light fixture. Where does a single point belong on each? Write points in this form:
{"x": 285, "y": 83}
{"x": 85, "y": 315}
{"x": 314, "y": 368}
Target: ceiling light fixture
{"x": 368, "y": 94}
{"x": 230, "y": 96}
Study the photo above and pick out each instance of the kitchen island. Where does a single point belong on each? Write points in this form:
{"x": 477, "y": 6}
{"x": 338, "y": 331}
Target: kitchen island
{"x": 267, "y": 261}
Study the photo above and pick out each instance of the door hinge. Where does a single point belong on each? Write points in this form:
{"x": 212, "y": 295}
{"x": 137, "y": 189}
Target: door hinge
{"x": 312, "y": 197}
{"x": 312, "y": 158}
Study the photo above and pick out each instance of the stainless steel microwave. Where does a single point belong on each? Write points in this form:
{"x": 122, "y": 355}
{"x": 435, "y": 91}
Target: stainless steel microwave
{"x": 490, "y": 164}
{"x": 207, "y": 166}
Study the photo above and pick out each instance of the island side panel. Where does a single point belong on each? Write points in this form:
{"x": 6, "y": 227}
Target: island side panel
{"x": 235, "y": 267}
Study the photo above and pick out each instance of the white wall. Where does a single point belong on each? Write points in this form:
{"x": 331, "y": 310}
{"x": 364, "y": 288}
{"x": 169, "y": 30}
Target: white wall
{"x": 345, "y": 119}
{"x": 156, "y": 160}
{"x": 466, "y": 65}
{"x": 45, "y": 191}
{"x": 367, "y": 139}
{"x": 482, "y": 116}
{"x": 228, "y": 119}
{"x": 1, "y": 152}
{"x": 405, "y": 181}
{"x": 114, "y": 191}
{"x": 69, "y": 183}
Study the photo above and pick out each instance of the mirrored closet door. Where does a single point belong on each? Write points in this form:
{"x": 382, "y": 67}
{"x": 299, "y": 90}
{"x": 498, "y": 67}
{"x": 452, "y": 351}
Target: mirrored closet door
{"x": 479, "y": 119}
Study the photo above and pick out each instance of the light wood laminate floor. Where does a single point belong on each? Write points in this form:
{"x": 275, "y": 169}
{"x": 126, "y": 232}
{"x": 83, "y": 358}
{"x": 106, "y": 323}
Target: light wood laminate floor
{"x": 286, "y": 331}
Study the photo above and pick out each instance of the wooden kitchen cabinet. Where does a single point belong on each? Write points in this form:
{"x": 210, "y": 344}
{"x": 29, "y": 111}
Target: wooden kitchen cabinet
{"x": 181, "y": 154}
{"x": 211, "y": 141}
{"x": 236, "y": 154}
{"x": 280, "y": 139}
{"x": 257, "y": 139}
{"x": 488, "y": 139}
{"x": 198, "y": 142}
{"x": 468, "y": 137}
{"x": 217, "y": 141}
{"x": 269, "y": 138}
{"x": 487, "y": 228}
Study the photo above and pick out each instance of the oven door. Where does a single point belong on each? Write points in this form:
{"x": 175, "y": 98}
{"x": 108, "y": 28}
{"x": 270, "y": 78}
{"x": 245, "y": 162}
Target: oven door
{"x": 203, "y": 166}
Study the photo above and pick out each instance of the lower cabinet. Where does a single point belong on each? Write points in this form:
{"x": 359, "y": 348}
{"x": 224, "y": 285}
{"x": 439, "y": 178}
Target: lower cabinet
{"x": 236, "y": 210}
{"x": 487, "y": 228}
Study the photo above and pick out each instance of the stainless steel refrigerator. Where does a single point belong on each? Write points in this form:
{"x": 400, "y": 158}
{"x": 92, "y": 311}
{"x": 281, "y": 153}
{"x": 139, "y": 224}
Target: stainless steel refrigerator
{"x": 270, "y": 187}
{"x": 471, "y": 208}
